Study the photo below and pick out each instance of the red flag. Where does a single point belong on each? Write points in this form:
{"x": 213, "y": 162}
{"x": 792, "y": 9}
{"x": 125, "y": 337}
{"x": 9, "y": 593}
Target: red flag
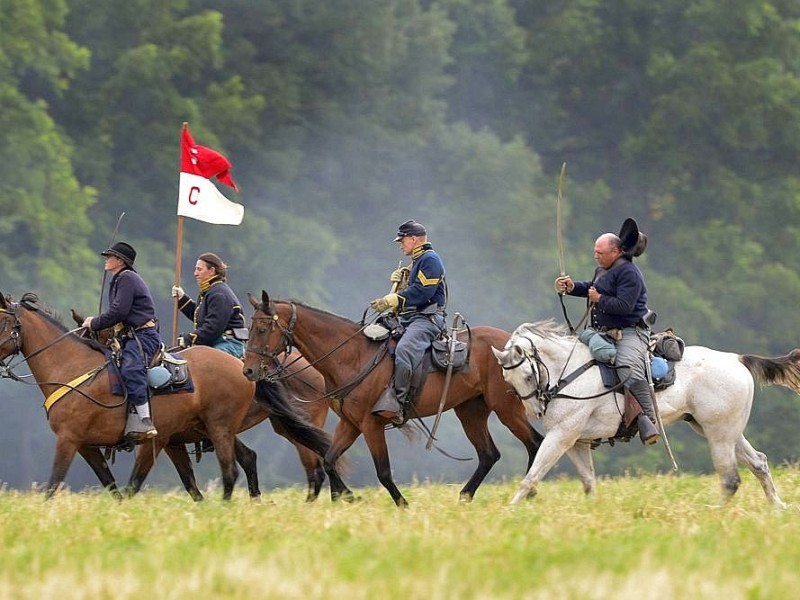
{"x": 208, "y": 163}
{"x": 198, "y": 197}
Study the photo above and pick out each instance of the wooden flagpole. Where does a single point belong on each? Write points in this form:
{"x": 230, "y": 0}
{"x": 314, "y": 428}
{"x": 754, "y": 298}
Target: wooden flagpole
{"x": 178, "y": 249}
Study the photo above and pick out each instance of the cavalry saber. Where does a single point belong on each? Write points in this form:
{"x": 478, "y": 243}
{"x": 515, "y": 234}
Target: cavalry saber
{"x": 559, "y": 237}
{"x": 103, "y": 282}
{"x": 448, "y": 376}
{"x": 658, "y": 419}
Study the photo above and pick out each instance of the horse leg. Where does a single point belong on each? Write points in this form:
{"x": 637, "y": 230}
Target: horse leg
{"x": 183, "y": 465}
{"x": 315, "y": 473}
{"x": 511, "y": 413}
{"x": 312, "y": 463}
{"x": 65, "y": 452}
{"x": 757, "y": 463}
{"x": 474, "y": 417}
{"x": 555, "y": 444}
{"x": 343, "y": 437}
{"x": 95, "y": 459}
{"x": 581, "y": 456}
{"x": 724, "y": 456}
{"x": 224, "y": 444}
{"x": 145, "y": 458}
{"x": 247, "y": 458}
{"x": 375, "y": 436}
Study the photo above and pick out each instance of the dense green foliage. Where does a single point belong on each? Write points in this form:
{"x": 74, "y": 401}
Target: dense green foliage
{"x": 343, "y": 118}
{"x": 646, "y": 537}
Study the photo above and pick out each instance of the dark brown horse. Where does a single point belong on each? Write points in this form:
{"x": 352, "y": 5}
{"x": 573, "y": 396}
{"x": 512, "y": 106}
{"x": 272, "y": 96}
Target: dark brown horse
{"x": 307, "y": 391}
{"x": 88, "y": 416}
{"x": 337, "y": 349}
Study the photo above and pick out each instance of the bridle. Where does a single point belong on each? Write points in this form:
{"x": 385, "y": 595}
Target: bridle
{"x": 543, "y": 392}
{"x": 283, "y": 347}
{"x": 533, "y": 357}
{"x": 13, "y": 336}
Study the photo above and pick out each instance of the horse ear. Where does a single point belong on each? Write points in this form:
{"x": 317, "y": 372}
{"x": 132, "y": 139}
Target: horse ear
{"x": 3, "y": 303}
{"x": 76, "y": 316}
{"x": 499, "y": 354}
{"x": 265, "y": 297}
{"x": 252, "y": 300}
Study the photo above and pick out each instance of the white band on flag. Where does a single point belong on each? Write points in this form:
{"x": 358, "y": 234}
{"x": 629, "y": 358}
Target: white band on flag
{"x": 199, "y": 198}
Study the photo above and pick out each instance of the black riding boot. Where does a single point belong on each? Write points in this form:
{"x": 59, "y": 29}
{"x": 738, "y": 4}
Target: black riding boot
{"x": 391, "y": 404}
{"x": 648, "y": 432}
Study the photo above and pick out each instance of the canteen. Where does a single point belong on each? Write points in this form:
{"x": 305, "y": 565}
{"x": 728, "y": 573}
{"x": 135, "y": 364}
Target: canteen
{"x": 658, "y": 367}
{"x": 158, "y": 376}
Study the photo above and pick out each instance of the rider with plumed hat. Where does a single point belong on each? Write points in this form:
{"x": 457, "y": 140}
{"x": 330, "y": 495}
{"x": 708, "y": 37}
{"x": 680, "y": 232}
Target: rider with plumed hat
{"x": 618, "y": 300}
{"x": 131, "y": 312}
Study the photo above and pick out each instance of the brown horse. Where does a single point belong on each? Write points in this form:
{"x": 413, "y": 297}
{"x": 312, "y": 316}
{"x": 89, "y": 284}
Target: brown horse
{"x": 336, "y": 348}
{"x": 307, "y": 391}
{"x": 88, "y": 416}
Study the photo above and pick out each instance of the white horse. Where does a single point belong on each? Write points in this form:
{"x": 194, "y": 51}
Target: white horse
{"x": 713, "y": 392}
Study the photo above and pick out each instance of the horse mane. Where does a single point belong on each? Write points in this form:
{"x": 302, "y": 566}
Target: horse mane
{"x": 313, "y": 309}
{"x": 30, "y": 301}
{"x": 547, "y": 329}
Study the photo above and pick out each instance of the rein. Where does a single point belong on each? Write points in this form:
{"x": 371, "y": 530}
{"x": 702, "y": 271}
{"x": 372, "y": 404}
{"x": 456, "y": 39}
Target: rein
{"x": 546, "y": 393}
{"x": 6, "y": 371}
{"x": 287, "y": 342}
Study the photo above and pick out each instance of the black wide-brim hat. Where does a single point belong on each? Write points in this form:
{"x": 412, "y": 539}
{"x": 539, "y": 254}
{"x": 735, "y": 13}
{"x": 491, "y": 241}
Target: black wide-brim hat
{"x": 123, "y": 251}
{"x": 634, "y": 242}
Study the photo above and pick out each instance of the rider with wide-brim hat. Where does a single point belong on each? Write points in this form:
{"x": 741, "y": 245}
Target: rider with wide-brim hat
{"x": 131, "y": 312}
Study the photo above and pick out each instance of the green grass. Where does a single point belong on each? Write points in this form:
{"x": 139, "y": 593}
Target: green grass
{"x": 655, "y": 536}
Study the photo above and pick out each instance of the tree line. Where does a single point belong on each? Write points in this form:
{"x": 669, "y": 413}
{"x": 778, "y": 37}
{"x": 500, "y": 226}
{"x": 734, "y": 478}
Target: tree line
{"x": 344, "y": 118}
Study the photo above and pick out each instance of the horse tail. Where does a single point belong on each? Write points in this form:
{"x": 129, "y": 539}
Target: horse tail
{"x": 781, "y": 370}
{"x": 289, "y": 419}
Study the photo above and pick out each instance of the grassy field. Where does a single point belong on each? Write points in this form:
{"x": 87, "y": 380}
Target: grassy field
{"x": 654, "y": 536}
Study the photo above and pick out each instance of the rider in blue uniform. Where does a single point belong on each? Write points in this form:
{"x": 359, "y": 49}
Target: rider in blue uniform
{"x": 618, "y": 297}
{"x": 419, "y": 304}
{"x": 131, "y": 312}
{"x": 217, "y": 314}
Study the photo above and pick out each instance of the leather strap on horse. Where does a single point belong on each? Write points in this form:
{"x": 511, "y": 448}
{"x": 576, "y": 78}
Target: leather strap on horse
{"x": 339, "y": 394}
{"x": 448, "y": 376}
{"x": 553, "y": 392}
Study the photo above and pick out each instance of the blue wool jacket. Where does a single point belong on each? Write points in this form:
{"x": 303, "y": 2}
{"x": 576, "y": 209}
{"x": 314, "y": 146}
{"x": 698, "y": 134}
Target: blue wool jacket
{"x": 130, "y": 302}
{"x": 216, "y": 310}
{"x": 425, "y": 281}
{"x": 623, "y": 295}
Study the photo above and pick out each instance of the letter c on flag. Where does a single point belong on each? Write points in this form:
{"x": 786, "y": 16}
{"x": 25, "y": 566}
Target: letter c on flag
{"x": 194, "y": 195}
